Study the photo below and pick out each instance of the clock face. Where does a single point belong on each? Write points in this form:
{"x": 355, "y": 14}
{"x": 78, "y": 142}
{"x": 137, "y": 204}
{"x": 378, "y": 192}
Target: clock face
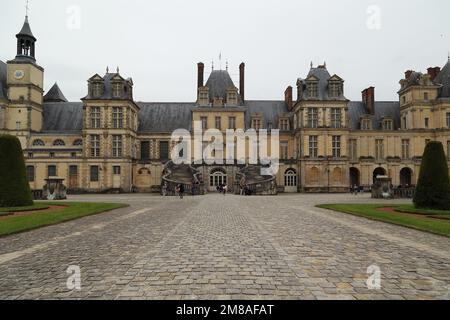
{"x": 19, "y": 74}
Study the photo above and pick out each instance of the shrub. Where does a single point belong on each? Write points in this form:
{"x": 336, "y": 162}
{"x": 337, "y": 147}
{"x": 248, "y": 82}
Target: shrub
{"x": 433, "y": 187}
{"x": 14, "y": 188}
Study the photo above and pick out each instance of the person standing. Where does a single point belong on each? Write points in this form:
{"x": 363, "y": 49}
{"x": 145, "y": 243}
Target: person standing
{"x": 181, "y": 190}
{"x": 224, "y": 189}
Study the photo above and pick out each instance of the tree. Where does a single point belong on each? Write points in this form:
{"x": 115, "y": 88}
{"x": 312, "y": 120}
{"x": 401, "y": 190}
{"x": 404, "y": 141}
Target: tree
{"x": 14, "y": 188}
{"x": 433, "y": 187}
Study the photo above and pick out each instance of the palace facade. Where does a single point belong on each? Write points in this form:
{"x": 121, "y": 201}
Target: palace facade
{"x": 108, "y": 141}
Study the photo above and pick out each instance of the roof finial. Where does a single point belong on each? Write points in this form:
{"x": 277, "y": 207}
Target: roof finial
{"x": 27, "y": 9}
{"x": 227, "y": 65}
{"x": 220, "y": 60}
{"x": 311, "y": 64}
{"x": 117, "y": 69}
{"x": 107, "y": 69}
{"x": 325, "y": 64}
{"x": 212, "y": 65}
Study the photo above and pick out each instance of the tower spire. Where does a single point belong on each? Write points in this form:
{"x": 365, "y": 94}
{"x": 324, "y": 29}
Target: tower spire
{"x": 27, "y": 8}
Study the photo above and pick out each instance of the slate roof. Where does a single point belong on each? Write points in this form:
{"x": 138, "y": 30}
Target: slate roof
{"x": 164, "y": 117}
{"x": 26, "y": 30}
{"x": 107, "y": 93}
{"x": 218, "y": 83}
{"x": 443, "y": 78}
{"x": 270, "y": 110}
{"x": 55, "y": 95}
{"x": 322, "y": 74}
{"x": 3, "y": 84}
{"x": 382, "y": 109}
{"x": 63, "y": 117}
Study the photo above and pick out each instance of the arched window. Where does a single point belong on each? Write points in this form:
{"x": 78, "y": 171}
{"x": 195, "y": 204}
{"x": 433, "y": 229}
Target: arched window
{"x": 38, "y": 143}
{"x": 59, "y": 143}
{"x": 78, "y": 142}
{"x": 217, "y": 178}
{"x": 290, "y": 178}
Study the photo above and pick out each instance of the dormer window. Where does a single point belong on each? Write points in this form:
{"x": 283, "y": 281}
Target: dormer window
{"x": 387, "y": 124}
{"x": 117, "y": 90}
{"x": 284, "y": 124}
{"x": 335, "y": 89}
{"x": 313, "y": 89}
{"x": 256, "y": 123}
{"x": 97, "y": 89}
{"x": 366, "y": 124}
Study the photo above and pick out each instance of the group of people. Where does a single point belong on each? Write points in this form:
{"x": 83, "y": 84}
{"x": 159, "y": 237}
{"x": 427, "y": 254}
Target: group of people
{"x": 222, "y": 188}
{"x": 356, "y": 189}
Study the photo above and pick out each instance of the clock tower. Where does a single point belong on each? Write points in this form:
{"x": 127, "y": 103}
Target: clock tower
{"x": 25, "y": 81}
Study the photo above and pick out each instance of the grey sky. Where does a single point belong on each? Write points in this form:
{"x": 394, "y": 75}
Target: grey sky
{"x": 158, "y": 43}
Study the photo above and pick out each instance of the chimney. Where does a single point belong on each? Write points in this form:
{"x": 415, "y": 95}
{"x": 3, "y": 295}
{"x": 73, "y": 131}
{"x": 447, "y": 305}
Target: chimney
{"x": 201, "y": 71}
{"x": 408, "y": 74}
{"x": 242, "y": 81}
{"x": 433, "y": 72}
{"x": 288, "y": 97}
{"x": 368, "y": 99}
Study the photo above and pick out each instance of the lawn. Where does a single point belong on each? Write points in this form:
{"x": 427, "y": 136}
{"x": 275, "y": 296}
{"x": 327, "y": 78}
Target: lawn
{"x": 71, "y": 211}
{"x": 406, "y": 215}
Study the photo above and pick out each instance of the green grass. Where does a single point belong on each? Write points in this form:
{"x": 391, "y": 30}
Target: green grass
{"x": 421, "y": 220}
{"x": 35, "y": 206}
{"x": 71, "y": 211}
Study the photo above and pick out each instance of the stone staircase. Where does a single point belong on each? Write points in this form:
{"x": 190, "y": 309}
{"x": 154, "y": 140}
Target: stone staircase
{"x": 251, "y": 178}
{"x": 175, "y": 174}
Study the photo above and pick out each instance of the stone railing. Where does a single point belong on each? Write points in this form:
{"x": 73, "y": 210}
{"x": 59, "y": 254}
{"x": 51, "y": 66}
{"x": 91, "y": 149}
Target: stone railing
{"x": 170, "y": 181}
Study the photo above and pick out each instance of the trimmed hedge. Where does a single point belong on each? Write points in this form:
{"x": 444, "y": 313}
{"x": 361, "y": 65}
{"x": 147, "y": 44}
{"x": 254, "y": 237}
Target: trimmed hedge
{"x": 14, "y": 188}
{"x": 433, "y": 187}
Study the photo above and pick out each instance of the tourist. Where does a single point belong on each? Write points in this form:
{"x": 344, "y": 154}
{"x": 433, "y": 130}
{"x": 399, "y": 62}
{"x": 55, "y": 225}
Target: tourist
{"x": 180, "y": 190}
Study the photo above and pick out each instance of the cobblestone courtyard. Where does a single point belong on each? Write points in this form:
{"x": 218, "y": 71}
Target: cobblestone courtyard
{"x": 224, "y": 247}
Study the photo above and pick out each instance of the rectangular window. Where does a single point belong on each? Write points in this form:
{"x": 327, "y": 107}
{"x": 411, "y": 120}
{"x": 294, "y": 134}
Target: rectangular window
{"x": 117, "y": 146}
{"x": 51, "y": 171}
{"x": 116, "y": 170}
{"x": 18, "y": 125}
{"x": 448, "y": 119}
{"x": 117, "y": 117}
{"x": 336, "y": 146}
{"x": 313, "y": 147}
{"x": 405, "y": 149}
{"x": 95, "y": 117}
{"x": 30, "y": 173}
{"x": 145, "y": 150}
{"x": 313, "y": 90}
{"x": 387, "y": 125}
{"x": 284, "y": 124}
{"x": 425, "y": 96}
{"x": 218, "y": 121}
{"x": 284, "y": 150}
{"x": 379, "y": 149}
{"x": 73, "y": 170}
{"x": 164, "y": 150}
{"x": 94, "y": 173}
{"x": 256, "y": 123}
{"x": 313, "y": 118}
{"x": 117, "y": 90}
{"x": 336, "y": 118}
{"x": 352, "y": 150}
{"x": 366, "y": 124}
{"x": 204, "y": 121}
{"x": 95, "y": 145}
{"x": 232, "y": 123}
{"x": 52, "y": 154}
{"x": 427, "y": 122}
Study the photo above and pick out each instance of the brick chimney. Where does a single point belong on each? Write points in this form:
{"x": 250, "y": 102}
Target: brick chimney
{"x": 368, "y": 99}
{"x": 288, "y": 97}
{"x": 242, "y": 81}
{"x": 408, "y": 74}
{"x": 433, "y": 72}
{"x": 201, "y": 71}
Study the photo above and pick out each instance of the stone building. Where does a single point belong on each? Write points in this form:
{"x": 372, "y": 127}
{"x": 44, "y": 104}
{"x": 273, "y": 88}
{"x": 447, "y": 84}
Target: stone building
{"x": 108, "y": 141}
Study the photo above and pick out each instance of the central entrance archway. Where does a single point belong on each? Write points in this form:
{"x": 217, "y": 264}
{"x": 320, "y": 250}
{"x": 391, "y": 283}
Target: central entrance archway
{"x": 217, "y": 177}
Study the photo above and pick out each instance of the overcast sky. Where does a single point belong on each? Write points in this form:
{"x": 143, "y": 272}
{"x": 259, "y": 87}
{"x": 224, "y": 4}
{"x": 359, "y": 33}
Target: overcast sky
{"x": 158, "y": 43}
